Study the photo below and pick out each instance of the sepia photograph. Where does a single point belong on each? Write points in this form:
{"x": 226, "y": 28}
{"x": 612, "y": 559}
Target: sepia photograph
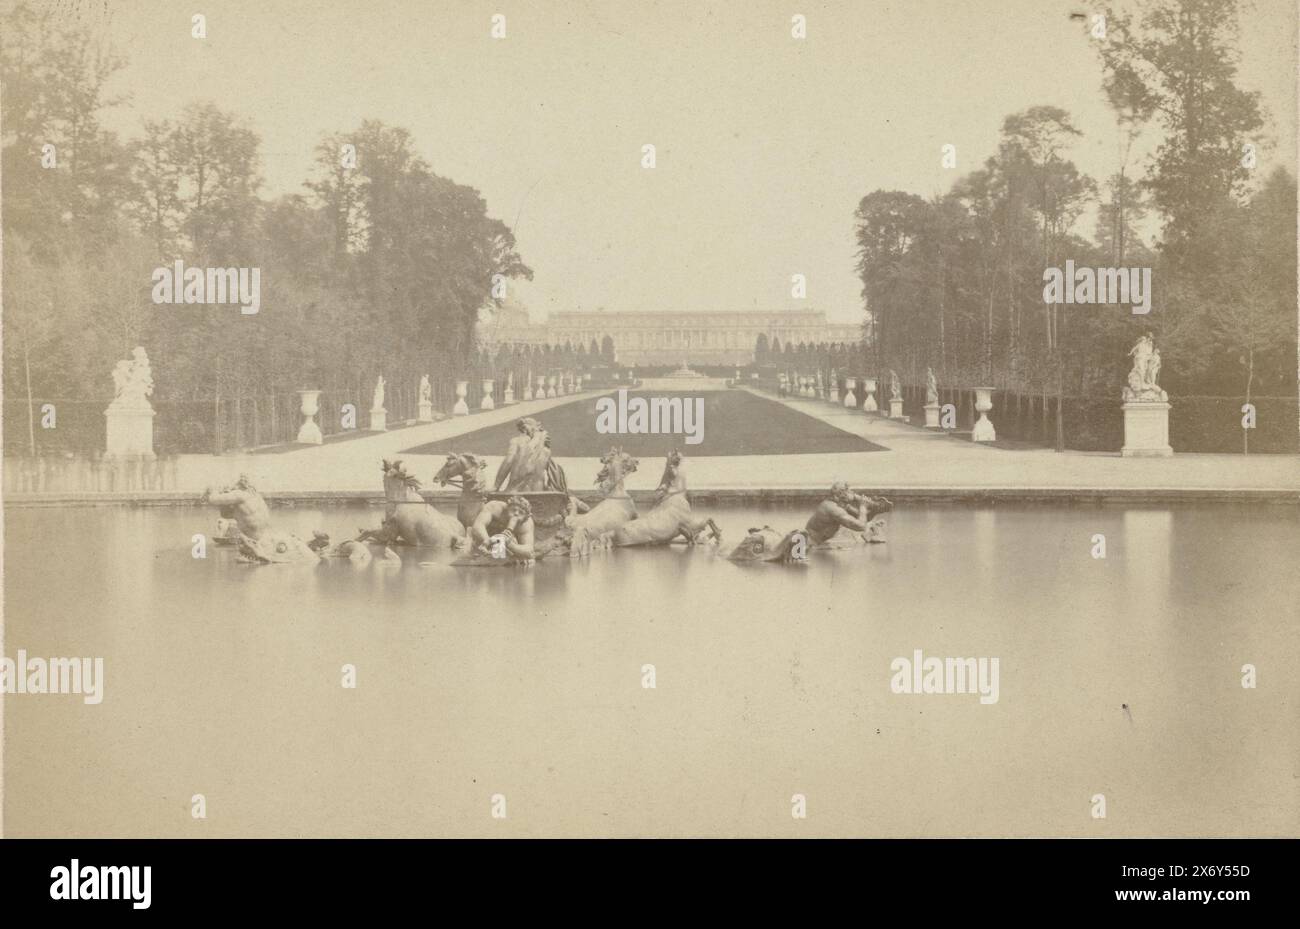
{"x": 679, "y": 419}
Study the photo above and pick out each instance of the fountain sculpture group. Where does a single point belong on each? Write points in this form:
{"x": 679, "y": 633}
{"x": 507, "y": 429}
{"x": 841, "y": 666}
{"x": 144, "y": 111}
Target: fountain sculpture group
{"x": 528, "y": 514}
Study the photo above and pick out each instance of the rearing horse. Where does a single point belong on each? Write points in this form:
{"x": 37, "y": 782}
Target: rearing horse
{"x": 408, "y": 519}
{"x": 671, "y": 517}
{"x": 469, "y": 473}
{"x": 595, "y": 527}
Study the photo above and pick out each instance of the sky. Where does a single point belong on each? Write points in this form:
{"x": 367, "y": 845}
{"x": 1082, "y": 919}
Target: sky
{"x": 764, "y": 143}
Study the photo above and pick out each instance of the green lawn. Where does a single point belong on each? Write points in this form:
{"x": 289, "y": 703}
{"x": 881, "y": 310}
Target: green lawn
{"x": 736, "y": 422}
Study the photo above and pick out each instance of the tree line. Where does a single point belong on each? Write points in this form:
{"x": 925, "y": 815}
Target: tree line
{"x": 956, "y": 281}
{"x": 378, "y": 264}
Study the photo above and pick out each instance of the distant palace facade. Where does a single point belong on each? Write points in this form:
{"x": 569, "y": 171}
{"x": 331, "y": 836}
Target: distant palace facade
{"x": 717, "y": 337}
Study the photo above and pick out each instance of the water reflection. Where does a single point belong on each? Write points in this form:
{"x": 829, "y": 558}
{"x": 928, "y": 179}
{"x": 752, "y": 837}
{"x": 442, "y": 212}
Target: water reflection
{"x": 226, "y": 675}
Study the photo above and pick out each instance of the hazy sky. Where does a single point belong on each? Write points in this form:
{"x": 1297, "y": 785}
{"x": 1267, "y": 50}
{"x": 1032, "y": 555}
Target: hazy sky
{"x": 765, "y": 143}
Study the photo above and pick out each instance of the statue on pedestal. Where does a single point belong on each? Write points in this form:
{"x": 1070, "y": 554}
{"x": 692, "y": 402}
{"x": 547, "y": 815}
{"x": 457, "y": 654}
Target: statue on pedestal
{"x": 895, "y": 389}
{"x": 931, "y": 387}
{"x": 378, "y": 400}
{"x": 1142, "y": 377}
{"x": 132, "y": 382}
{"x": 425, "y": 406}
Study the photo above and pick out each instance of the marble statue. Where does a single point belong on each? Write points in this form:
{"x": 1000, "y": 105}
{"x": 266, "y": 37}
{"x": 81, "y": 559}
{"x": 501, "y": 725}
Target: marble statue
{"x": 408, "y": 519}
{"x": 844, "y": 509}
{"x": 895, "y": 390}
{"x": 1142, "y": 377}
{"x": 504, "y": 531}
{"x": 378, "y": 402}
{"x": 765, "y": 544}
{"x": 241, "y": 503}
{"x": 426, "y": 391}
{"x": 527, "y": 465}
{"x": 132, "y": 382}
{"x": 595, "y": 528}
{"x": 257, "y": 543}
{"x": 671, "y": 517}
{"x": 931, "y": 387}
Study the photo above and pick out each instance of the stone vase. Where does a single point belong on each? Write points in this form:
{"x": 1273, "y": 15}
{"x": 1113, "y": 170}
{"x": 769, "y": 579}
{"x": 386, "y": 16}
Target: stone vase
{"x": 551, "y": 383}
{"x": 869, "y": 405}
{"x": 462, "y": 391}
{"x": 541, "y": 387}
{"x": 309, "y": 405}
{"x": 850, "y": 393}
{"x": 983, "y": 431}
{"x": 488, "y": 403}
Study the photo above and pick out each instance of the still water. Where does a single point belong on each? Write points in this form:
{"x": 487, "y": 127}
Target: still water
{"x": 1118, "y": 676}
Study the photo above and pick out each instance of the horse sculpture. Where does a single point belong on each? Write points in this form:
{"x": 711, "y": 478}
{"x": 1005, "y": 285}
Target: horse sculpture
{"x": 408, "y": 519}
{"x": 594, "y": 529}
{"x": 469, "y": 473}
{"x": 671, "y": 517}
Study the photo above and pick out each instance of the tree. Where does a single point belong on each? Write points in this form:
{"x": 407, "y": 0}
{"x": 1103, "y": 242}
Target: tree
{"x": 1175, "y": 61}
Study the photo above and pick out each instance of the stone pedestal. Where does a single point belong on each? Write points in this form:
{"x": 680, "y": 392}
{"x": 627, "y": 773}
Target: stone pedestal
{"x": 508, "y": 397}
{"x": 895, "y": 409}
{"x": 309, "y": 433}
{"x": 1146, "y": 429}
{"x": 850, "y": 393}
{"x": 528, "y": 390}
{"x": 869, "y": 406}
{"x": 462, "y": 391}
{"x": 129, "y": 433}
{"x": 983, "y": 431}
{"x": 425, "y": 414}
{"x": 550, "y": 387}
{"x": 488, "y": 403}
{"x": 932, "y": 416}
{"x": 378, "y": 420}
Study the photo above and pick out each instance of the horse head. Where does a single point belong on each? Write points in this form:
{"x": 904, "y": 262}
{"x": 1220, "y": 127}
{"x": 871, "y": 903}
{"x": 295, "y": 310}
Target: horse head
{"x": 398, "y": 485}
{"x": 617, "y": 465}
{"x": 467, "y": 467}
